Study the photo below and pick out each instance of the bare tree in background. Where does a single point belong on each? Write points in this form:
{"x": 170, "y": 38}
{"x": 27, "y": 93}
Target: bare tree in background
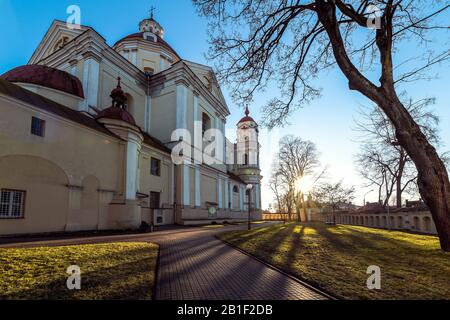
{"x": 277, "y": 188}
{"x": 297, "y": 159}
{"x": 291, "y": 41}
{"x": 382, "y": 161}
{"x": 334, "y": 196}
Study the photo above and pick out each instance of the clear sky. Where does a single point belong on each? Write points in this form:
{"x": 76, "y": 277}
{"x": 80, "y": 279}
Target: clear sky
{"x": 328, "y": 121}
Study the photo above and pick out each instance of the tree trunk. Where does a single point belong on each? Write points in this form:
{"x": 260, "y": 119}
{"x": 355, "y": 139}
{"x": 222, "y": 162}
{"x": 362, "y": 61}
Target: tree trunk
{"x": 434, "y": 185}
{"x": 401, "y": 169}
{"x": 433, "y": 181}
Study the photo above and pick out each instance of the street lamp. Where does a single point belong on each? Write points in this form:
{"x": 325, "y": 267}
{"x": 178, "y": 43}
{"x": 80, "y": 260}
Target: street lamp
{"x": 249, "y": 191}
{"x": 366, "y": 195}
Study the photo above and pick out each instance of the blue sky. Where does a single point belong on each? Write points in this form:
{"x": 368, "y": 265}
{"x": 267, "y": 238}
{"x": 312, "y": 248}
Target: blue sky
{"x": 328, "y": 121}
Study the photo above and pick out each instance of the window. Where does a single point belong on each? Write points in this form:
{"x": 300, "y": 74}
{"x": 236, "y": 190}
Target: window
{"x": 155, "y": 200}
{"x": 206, "y": 123}
{"x": 12, "y": 204}
{"x": 235, "y": 189}
{"x": 37, "y": 127}
{"x": 246, "y": 159}
{"x": 155, "y": 167}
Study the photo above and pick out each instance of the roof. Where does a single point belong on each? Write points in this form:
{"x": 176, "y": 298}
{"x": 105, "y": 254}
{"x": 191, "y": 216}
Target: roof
{"x": 117, "y": 110}
{"x": 12, "y": 90}
{"x": 159, "y": 40}
{"x": 116, "y": 113}
{"x": 47, "y": 77}
{"x": 155, "y": 143}
{"x": 247, "y": 117}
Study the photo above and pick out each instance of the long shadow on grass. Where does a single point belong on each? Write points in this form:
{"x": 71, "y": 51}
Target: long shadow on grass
{"x": 104, "y": 284}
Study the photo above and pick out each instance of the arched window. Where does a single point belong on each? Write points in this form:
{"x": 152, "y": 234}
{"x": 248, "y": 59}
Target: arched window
{"x": 206, "y": 123}
{"x": 235, "y": 189}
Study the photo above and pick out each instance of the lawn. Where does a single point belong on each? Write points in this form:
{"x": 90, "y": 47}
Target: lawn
{"x": 335, "y": 259}
{"x": 108, "y": 272}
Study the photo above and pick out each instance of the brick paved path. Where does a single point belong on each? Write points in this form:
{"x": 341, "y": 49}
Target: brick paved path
{"x": 195, "y": 265}
{"x": 200, "y": 267}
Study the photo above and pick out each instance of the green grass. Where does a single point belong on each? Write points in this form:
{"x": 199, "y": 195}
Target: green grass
{"x": 108, "y": 272}
{"x": 336, "y": 258}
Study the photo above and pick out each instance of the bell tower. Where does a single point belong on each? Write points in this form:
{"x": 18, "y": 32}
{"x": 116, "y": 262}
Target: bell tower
{"x": 247, "y": 156}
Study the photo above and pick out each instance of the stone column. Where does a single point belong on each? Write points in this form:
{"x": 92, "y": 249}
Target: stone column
{"x": 227, "y": 195}
{"x": 182, "y": 104}
{"x": 198, "y": 179}
{"x": 73, "y": 67}
{"x": 219, "y": 193}
{"x": 148, "y": 114}
{"x": 186, "y": 185}
{"x": 258, "y": 196}
{"x": 241, "y": 197}
{"x": 133, "y": 149}
{"x": 91, "y": 76}
{"x": 198, "y": 134}
{"x": 231, "y": 197}
{"x": 133, "y": 57}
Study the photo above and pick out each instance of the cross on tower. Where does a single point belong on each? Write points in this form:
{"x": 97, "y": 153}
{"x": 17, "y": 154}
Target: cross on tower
{"x": 152, "y": 12}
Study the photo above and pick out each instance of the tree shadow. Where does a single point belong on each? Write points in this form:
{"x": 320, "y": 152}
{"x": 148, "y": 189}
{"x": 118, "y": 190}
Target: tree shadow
{"x": 124, "y": 281}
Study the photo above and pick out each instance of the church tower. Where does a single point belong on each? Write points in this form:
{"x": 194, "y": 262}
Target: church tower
{"x": 247, "y": 157}
{"x": 151, "y": 26}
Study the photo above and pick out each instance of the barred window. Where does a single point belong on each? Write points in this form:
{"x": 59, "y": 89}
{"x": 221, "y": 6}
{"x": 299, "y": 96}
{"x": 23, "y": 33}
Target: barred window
{"x": 12, "y": 204}
{"x": 37, "y": 127}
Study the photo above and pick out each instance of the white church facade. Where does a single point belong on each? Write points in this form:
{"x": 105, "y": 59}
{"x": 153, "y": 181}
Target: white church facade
{"x": 87, "y": 138}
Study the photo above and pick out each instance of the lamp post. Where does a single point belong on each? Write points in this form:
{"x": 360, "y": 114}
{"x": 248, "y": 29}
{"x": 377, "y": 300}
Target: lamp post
{"x": 367, "y": 193}
{"x": 249, "y": 190}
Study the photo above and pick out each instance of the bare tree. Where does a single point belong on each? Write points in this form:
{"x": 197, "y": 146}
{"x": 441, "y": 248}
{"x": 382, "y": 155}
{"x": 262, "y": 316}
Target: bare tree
{"x": 291, "y": 41}
{"x": 276, "y": 186}
{"x": 297, "y": 159}
{"x": 382, "y": 161}
{"x": 334, "y": 196}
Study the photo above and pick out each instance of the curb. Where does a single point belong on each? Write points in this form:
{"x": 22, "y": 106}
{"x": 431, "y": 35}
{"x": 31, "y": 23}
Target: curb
{"x": 155, "y": 285}
{"x": 290, "y": 276}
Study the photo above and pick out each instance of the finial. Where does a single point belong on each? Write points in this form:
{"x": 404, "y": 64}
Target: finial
{"x": 152, "y": 12}
{"x": 247, "y": 111}
{"x": 118, "y": 96}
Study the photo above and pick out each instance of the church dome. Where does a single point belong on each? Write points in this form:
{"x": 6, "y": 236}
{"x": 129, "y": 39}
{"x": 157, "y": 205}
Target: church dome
{"x": 46, "y": 77}
{"x": 116, "y": 113}
{"x": 247, "y": 117}
{"x": 117, "y": 110}
{"x": 150, "y": 38}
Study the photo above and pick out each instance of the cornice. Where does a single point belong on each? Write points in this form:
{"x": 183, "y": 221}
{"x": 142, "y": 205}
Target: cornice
{"x": 182, "y": 72}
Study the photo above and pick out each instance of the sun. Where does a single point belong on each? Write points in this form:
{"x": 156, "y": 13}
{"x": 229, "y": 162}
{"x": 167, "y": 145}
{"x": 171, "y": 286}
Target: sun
{"x": 304, "y": 185}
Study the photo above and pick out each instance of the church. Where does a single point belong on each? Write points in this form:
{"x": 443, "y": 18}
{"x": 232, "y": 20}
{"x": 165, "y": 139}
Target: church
{"x": 87, "y": 138}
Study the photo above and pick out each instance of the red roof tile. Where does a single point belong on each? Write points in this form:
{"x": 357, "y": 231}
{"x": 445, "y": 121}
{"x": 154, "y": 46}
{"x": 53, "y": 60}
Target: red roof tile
{"x": 46, "y": 77}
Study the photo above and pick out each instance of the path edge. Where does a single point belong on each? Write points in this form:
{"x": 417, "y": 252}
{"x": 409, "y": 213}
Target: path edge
{"x": 271, "y": 266}
{"x": 157, "y": 267}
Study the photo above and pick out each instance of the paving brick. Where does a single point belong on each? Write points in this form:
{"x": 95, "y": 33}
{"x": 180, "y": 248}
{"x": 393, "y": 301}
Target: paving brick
{"x": 200, "y": 267}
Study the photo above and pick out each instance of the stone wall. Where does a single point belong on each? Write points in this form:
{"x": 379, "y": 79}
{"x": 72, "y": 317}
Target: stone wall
{"x": 419, "y": 221}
